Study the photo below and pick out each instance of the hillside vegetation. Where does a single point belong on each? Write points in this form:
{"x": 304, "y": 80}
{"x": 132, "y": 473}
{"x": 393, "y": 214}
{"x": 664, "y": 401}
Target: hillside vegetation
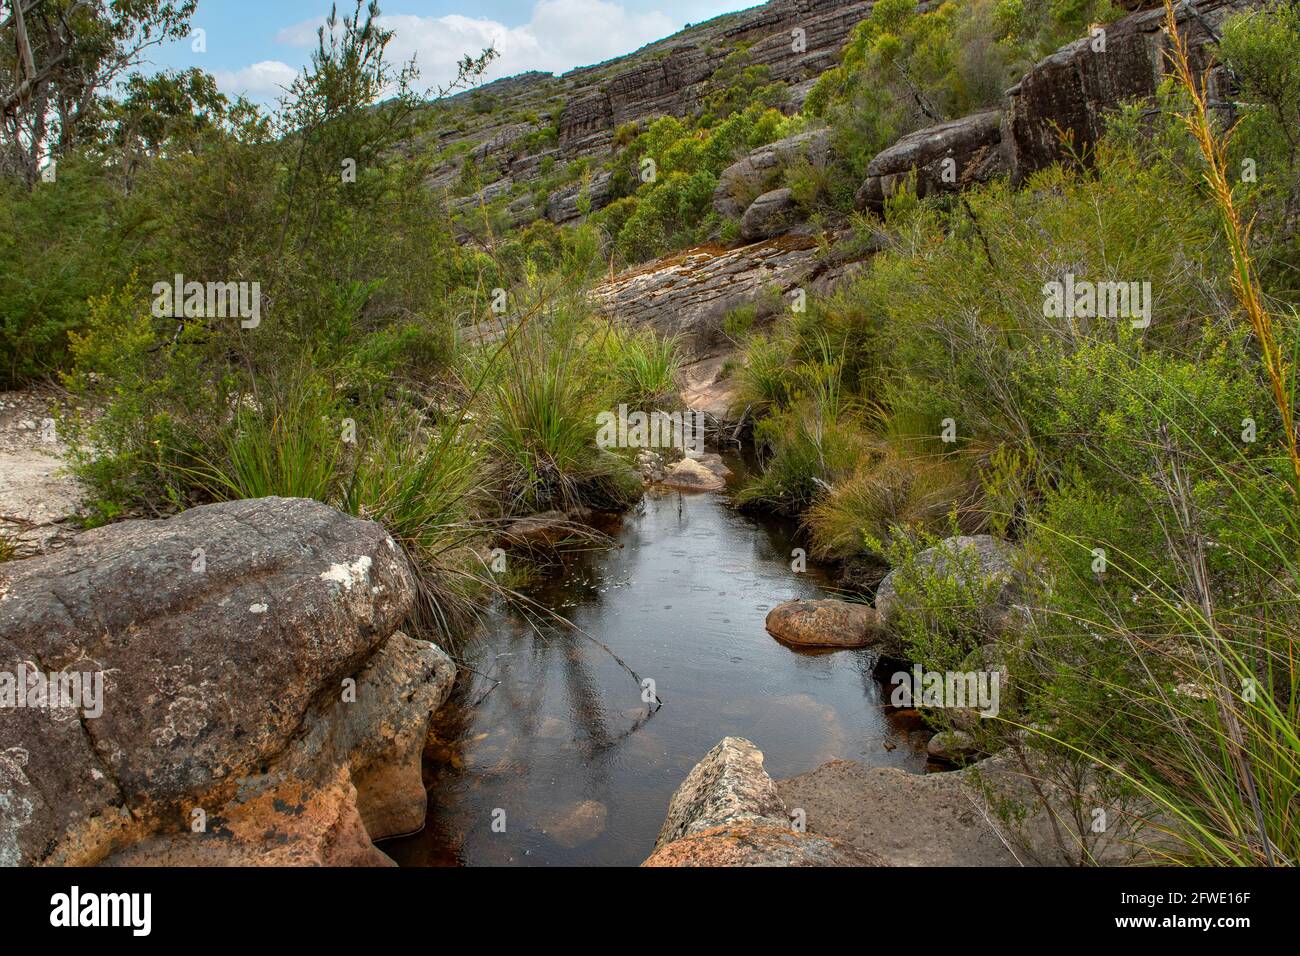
{"x": 1146, "y": 471}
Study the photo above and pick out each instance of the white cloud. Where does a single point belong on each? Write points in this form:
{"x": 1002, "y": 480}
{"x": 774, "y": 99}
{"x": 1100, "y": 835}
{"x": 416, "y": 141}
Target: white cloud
{"x": 560, "y": 35}
{"x": 265, "y": 80}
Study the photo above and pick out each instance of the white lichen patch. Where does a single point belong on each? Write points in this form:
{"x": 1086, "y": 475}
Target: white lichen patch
{"x": 257, "y": 608}
{"x": 346, "y": 575}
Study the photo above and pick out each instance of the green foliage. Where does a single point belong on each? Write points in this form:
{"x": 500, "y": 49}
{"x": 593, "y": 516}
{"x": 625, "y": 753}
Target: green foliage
{"x": 678, "y": 163}
{"x": 643, "y": 366}
{"x": 942, "y": 606}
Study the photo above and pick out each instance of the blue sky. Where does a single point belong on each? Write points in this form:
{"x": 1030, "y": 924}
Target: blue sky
{"x": 254, "y": 47}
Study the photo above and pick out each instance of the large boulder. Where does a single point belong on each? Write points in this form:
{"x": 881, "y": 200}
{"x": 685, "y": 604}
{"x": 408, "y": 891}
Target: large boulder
{"x": 1058, "y": 109}
{"x": 824, "y": 623}
{"x": 944, "y": 158}
{"x": 745, "y": 180}
{"x": 769, "y": 215}
{"x": 984, "y": 565}
{"x": 250, "y": 665}
{"x": 728, "y": 813}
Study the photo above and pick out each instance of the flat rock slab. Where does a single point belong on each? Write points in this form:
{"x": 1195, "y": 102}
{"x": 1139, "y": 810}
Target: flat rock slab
{"x": 950, "y": 819}
{"x": 906, "y": 819}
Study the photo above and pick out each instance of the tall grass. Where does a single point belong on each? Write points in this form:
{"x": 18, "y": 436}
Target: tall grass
{"x": 541, "y": 428}
{"x": 290, "y": 449}
{"x": 643, "y": 365}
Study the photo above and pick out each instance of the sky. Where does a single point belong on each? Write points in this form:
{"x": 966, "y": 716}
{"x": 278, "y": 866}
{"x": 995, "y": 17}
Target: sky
{"x": 256, "y": 47}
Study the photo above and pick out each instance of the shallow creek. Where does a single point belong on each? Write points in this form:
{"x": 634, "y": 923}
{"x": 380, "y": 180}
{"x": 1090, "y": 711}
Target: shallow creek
{"x": 561, "y": 753}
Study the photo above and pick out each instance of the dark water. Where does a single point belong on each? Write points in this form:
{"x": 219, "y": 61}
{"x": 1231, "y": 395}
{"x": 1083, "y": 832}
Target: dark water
{"x": 565, "y": 753}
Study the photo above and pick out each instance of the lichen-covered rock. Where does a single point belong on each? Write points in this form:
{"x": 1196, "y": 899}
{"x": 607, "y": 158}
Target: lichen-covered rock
{"x": 944, "y": 158}
{"x": 40, "y": 501}
{"x": 753, "y": 844}
{"x": 226, "y": 639}
{"x": 824, "y": 623}
{"x": 727, "y": 812}
{"x": 728, "y": 786}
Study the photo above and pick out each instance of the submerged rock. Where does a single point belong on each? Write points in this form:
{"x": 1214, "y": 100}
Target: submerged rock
{"x": 547, "y": 530}
{"x": 257, "y": 702}
{"x": 824, "y": 623}
{"x": 579, "y": 824}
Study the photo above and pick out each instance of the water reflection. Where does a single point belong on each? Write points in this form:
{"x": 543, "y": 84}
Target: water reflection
{"x": 562, "y": 763}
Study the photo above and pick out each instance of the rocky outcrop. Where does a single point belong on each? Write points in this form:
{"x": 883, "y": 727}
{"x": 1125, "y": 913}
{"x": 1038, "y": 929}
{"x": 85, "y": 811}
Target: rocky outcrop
{"x": 745, "y": 180}
{"x": 690, "y": 293}
{"x": 824, "y": 623}
{"x": 728, "y": 813}
{"x": 563, "y": 204}
{"x": 586, "y": 121}
{"x": 945, "y": 158}
{"x": 984, "y": 566}
{"x": 258, "y": 703}
{"x": 769, "y": 215}
{"x": 1065, "y": 97}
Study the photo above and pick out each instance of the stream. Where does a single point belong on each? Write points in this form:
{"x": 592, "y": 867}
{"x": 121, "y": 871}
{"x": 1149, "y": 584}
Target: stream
{"x": 561, "y": 763}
